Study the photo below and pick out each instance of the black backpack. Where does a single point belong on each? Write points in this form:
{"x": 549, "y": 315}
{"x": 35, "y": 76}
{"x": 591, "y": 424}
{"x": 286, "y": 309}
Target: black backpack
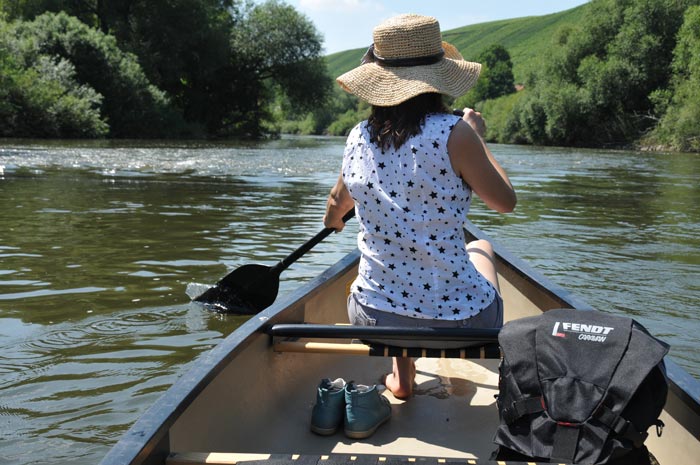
{"x": 579, "y": 386}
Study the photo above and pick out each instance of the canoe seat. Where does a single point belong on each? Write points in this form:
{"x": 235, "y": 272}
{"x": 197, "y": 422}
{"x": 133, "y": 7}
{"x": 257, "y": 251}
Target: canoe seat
{"x": 478, "y": 343}
{"x": 197, "y": 458}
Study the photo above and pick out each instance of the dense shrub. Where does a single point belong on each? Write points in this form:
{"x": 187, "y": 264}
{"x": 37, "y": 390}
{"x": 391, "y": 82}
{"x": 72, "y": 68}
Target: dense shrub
{"x": 131, "y": 105}
{"x": 680, "y": 125}
{"x": 63, "y": 79}
{"x": 496, "y": 78}
{"x": 499, "y": 115}
{"x": 165, "y": 69}
{"x": 40, "y": 95}
{"x": 597, "y": 86}
{"x": 348, "y": 120}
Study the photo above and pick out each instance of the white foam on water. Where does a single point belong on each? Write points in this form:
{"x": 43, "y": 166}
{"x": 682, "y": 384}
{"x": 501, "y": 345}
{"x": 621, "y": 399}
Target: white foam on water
{"x": 194, "y": 290}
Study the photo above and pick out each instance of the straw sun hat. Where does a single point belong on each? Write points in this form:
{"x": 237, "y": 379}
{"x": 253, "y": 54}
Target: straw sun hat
{"x": 409, "y": 58}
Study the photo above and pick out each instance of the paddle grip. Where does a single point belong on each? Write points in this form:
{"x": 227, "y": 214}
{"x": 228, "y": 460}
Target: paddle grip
{"x": 308, "y": 245}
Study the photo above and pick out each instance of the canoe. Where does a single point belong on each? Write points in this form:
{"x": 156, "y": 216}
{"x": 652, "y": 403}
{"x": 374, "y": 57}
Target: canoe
{"x": 249, "y": 399}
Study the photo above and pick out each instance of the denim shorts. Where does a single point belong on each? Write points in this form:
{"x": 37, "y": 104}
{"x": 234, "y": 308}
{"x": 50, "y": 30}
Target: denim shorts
{"x": 360, "y": 315}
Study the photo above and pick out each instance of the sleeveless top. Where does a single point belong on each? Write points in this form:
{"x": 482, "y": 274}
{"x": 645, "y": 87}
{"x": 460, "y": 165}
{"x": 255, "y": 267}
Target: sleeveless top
{"x": 411, "y": 207}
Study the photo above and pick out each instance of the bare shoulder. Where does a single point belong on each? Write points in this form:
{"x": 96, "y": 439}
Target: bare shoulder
{"x": 463, "y": 146}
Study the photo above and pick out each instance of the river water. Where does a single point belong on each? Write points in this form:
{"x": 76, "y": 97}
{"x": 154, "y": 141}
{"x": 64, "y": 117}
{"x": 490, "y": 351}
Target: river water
{"x": 99, "y": 240}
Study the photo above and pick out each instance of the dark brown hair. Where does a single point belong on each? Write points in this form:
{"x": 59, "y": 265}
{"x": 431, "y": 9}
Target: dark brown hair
{"x": 392, "y": 126}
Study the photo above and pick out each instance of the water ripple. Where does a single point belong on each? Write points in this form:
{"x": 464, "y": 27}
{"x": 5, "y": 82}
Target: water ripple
{"x": 50, "y": 292}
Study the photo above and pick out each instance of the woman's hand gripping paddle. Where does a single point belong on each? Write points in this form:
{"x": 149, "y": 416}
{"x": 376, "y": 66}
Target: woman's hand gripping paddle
{"x": 250, "y": 289}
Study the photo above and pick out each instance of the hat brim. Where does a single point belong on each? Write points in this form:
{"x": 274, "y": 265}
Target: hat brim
{"x": 388, "y": 86}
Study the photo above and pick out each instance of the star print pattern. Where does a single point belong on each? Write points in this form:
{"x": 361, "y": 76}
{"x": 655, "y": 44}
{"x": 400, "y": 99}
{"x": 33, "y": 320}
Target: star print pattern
{"x": 411, "y": 207}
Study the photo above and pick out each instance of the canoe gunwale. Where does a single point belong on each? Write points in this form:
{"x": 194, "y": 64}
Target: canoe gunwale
{"x": 523, "y": 269}
{"x": 147, "y": 440}
{"x": 152, "y": 427}
{"x": 682, "y": 384}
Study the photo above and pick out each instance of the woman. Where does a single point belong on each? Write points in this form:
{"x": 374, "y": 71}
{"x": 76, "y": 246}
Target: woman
{"x": 409, "y": 171}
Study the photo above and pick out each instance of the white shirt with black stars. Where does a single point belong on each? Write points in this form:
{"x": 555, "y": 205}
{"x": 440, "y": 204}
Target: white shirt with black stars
{"x": 411, "y": 207}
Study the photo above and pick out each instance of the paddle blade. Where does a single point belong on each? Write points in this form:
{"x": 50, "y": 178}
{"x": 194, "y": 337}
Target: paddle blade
{"x": 247, "y": 290}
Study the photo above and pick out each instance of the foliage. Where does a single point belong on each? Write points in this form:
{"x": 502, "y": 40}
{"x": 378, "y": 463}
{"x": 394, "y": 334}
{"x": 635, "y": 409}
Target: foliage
{"x": 597, "y": 75}
{"x": 348, "y": 120}
{"x": 495, "y": 80}
{"x": 499, "y": 117}
{"x": 169, "y": 68}
{"x": 42, "y": 97}
{"x": 279, "y": 51}
{"x": 680, "y": 125}
{"x": 184, "y": 49}
{"x": 130, "y": 103}
{"x": 318, "y": 120}
{"x": 594, "y": 88}
{"x": 603, "y": 74}
{"x": 28, "y": 10}
{"x": 499, "y": 72}
{"x": 182, "y": 46}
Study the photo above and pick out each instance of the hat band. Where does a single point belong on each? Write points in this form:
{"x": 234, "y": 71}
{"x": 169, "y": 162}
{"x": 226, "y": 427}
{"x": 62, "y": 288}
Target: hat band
{"x": 371, "y": 57}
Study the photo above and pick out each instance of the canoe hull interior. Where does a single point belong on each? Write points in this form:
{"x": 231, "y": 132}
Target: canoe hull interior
{"x": 247, "y": 398}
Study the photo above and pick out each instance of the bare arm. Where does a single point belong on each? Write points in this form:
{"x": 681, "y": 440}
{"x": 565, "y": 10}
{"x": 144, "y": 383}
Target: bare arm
{"x": 339, "y": 203}
{"x": 475, "y": 164}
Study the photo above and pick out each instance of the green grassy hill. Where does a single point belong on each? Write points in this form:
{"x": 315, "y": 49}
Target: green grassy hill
{"x": 525, "y": 39}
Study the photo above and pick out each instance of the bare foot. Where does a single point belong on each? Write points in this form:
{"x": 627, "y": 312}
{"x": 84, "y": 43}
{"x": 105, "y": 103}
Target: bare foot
{"x": 400, "y": 381}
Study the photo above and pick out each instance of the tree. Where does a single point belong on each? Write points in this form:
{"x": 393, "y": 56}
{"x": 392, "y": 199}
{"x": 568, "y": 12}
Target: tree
{"x": 496, "y": 78}
{"x": 595, "y": 86}
{"x": 679, "y": 127}
{"x": 218, "y": 62}
{"x": 28, "y": 10}
{"x": 40, "y": 95}
{"x": 275, "y": 48}
{"x": 222, "y": 61}
{"x": 183, "y": 48}
{"x": 130, "y": 103}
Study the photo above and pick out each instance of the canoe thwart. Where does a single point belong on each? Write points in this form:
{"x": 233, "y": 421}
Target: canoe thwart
{"x": 490, "y": 350}
{"x": 199, "y": 458}
{"x": 317, "y": 331}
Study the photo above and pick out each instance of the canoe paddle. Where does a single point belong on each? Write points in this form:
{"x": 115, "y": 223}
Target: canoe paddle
{"x": 250, "y": 289}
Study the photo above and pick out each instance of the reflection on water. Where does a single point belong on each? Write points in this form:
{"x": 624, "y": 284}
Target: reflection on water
{"x": 100, "y": 240}
{"x": 70, "y": 388}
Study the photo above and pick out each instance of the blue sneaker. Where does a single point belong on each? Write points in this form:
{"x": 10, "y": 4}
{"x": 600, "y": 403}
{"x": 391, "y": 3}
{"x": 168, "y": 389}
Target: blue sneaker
{"x": 365, "y": 410}
{"x": 327, "y": 414}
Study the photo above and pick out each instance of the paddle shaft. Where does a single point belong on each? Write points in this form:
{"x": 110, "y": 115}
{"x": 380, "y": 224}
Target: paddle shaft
{"x": 308, "y": 245}
{"x": 251, "y": 288}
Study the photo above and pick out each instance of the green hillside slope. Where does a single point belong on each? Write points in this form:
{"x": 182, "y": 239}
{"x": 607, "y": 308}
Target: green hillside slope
{"x": 525, "y": 38}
